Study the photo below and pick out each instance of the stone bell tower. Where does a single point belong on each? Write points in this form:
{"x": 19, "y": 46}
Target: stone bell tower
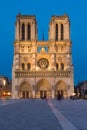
{"x": 24, "y": 48}
{"x": 61, "y": 45}
{"x": 26, "y": 28}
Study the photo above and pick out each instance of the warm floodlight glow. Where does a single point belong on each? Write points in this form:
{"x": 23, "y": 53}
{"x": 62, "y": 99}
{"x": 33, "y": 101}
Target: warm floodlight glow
{"x": 4, "y": 93}
{"x": 4, "y": 82}
{"x": 8, "y": 93}
{"x": 73, "y": 94}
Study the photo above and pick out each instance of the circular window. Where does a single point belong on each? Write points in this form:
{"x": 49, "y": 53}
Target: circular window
{"x": 43, "y": 63}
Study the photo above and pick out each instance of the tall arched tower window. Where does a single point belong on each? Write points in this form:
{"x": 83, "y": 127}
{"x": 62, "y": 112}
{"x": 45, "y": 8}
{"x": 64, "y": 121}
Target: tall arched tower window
{"x": 62, "y": 32}
{"x": 23, "y": 66}
{"x": 62, "y": 66}
{"x": 57, "y": 66}
{"x": 29, "y": 32}
{"x": 28, "y": 66}
{"x": 23, "y": 31}
{"x": 56, "y": 33}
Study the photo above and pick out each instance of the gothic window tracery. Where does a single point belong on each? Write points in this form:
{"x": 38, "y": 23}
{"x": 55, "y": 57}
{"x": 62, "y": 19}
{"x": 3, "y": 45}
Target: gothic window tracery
{"x": 23, "y": 66}
{"x": 62, "y": 66}
{"x": 29, "y": 32}
{"x": 56, "y": 33}
{"x": 23, "y": 31}
{"x": 28, "y": 66}
{"x": 62, "y": 32}
{"x": 57, "y": 66}
{"x": 43, "y": 63}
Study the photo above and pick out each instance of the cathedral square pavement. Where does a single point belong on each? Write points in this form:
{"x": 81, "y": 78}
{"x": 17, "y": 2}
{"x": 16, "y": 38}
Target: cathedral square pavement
{"x": 38, "y": 114}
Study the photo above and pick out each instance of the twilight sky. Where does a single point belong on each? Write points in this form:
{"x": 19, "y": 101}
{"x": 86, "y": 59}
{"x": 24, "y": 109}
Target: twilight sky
{"x": 44, "y": 9}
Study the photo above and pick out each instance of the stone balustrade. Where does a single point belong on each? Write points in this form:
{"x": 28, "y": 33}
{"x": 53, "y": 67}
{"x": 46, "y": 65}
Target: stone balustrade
{"x": 54, "y": 74}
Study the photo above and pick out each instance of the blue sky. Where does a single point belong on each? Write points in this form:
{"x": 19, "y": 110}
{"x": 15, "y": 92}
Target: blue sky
{"x": 44, "y": 9}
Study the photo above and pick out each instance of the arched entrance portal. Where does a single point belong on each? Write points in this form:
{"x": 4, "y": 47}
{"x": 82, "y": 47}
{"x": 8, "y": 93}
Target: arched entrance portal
{"x": 43, "y": 89}
{"x": 61, "y": 89}
{"x": 25, "y": 90}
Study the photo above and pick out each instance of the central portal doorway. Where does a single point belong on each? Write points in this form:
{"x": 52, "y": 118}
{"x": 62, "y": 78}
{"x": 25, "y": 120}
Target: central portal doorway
{"x": 43, "y": 89}
{"x": 25, "y": 94}
{"x": 43, "y": 94}
{"x": 59, "y": 94}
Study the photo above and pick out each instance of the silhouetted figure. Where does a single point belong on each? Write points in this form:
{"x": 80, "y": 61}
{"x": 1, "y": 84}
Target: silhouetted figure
{"x": 59, "y": 96}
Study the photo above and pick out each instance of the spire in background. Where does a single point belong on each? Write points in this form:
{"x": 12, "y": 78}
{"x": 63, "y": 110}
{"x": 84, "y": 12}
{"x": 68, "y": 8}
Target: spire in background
{"x": 19, "y": 13}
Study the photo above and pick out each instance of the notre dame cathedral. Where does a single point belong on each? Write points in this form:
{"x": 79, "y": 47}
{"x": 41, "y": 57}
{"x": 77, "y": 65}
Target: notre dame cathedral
{"x": 42, "y": 69}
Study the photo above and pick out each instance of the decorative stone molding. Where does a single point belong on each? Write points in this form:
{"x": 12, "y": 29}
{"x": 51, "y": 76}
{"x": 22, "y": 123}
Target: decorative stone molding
{"x": 32, "y": 74}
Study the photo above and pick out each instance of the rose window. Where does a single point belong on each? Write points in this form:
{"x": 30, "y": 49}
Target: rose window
{"x": 43, "y": 63}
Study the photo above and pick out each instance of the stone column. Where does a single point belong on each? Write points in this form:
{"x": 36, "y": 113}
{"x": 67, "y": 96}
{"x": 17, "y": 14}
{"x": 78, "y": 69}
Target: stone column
{"x": 68, "y": 90}
{"x": 15, "y": 92}
{"x": 33, "y": 30}
{"x": 20, "y": 31}
{"x": 33, "y": 93}
{"x": 17, "y": 31}
{"x": 26, "y": 31}
{"x": 53, "y": 93}
{"x": 66, "y": 31}
{"x": 53, "y": 31}
{"x": 68, "y": 35}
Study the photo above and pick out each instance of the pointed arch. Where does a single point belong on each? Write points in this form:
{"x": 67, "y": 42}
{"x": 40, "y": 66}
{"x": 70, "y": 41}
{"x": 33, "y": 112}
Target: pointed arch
{"x": 62, "y": 66}
{"x": 25, "y": 86}
{"x": 28, "y": 66}
{"x": 23, "y": 66}
{"x": 43, "y": 84}
{"x": 62, "y": 32}
{"x": 25, "y": 90}
{"x": 43, "y": 88}
{"x": 57, "y": 66}
{"x": 29, "y": 31}
{"x": 61, "y": 85}
{"x": 61, "y": 89}
{"x": 23, "y": 31}
{"x": 56, "y": 32}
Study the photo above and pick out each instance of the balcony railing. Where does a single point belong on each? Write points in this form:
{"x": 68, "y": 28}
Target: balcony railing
{"x": 31, "y": 74}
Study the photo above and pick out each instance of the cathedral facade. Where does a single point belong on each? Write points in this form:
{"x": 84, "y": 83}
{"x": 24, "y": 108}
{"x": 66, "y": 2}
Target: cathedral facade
{"x": 42, "y": 68}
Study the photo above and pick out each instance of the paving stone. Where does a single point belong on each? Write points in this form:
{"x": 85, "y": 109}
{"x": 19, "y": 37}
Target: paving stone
{"x": 74, "y": 110}
{"x": 27, "y": 115}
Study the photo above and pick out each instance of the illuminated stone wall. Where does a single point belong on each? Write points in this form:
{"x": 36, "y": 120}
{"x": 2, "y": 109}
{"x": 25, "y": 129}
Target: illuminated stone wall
{"x": 46, "y": 65}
